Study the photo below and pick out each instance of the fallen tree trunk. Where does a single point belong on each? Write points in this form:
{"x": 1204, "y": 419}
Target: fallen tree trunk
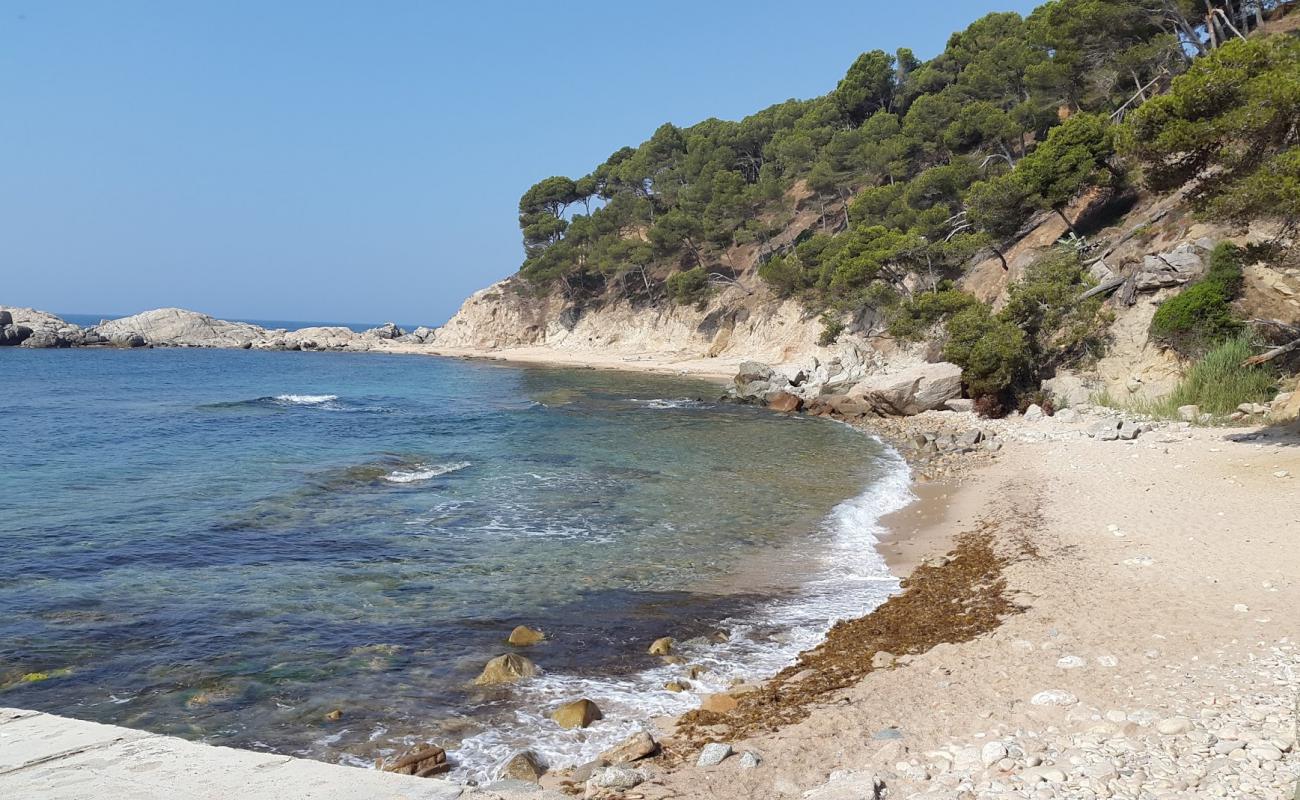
{"x": 1262, "y": 358}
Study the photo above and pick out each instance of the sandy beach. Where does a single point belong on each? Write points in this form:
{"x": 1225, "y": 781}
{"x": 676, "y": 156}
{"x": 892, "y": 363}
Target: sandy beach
{"x": 1153, "y": 652}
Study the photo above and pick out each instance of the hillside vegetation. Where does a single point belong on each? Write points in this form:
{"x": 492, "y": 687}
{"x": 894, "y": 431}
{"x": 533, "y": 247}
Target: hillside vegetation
{"x": 920, "y": 169}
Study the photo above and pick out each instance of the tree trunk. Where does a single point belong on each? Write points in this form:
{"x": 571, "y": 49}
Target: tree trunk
{"x": 1060, "y": 211}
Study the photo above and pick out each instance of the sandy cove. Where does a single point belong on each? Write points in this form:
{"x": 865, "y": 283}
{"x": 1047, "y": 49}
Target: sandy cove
{"x": 1154, "y": 652}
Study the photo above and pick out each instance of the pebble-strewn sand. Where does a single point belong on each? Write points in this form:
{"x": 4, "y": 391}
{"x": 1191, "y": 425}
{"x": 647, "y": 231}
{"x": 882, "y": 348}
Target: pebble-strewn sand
{"x": 1158, "y": 655}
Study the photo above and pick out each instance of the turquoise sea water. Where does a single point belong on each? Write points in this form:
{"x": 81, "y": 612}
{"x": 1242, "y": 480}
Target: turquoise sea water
{"x": 228, "y": 545}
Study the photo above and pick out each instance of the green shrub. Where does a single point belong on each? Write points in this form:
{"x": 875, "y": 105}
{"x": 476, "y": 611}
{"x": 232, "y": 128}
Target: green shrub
{"x": 1045, "y": 304}
{"x": 689, "y": 287}
{"x": 832, "y": 327}
{"x": 1218, "y": 383}
{"x": 993, "y": 353}
{"x": 912, "y": 318}
{"x": 1201, "y": 315}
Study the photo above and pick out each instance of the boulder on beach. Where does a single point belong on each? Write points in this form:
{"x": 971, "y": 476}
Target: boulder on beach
{"x": 721, "y": 703}
{"x": 633, "y": 748}
{"x": 506, "y": 668}
{"x": 524, "y": 636}
{"x": 523, "y": 766}
{"x": 784, "y": 402}
{"x": 662, "y": 646}
{"x": 578, "y": 714}
{"x": 925, "y": 387}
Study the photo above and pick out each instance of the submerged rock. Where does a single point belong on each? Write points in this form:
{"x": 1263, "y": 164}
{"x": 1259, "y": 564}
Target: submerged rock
{"x": 506, "y": 668}
{"x": 423, "y": 761}
{"x": 578, "y": 714}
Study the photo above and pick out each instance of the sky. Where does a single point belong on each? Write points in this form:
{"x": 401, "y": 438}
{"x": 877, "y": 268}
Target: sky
{"x": 360, "y": 161}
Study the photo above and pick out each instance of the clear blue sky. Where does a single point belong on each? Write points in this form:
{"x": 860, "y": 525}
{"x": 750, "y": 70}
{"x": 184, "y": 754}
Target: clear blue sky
{"x": 359, "y": 161}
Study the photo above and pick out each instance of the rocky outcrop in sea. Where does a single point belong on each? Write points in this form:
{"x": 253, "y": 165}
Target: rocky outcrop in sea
{"x": 179, "y": 327}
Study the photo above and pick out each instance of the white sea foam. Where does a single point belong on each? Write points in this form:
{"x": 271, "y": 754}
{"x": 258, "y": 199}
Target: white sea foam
{"x": 424, "y": 473}
{"x": 661, "y": 403}
{"x": 851, "y": 581}
{"x": 306, "y": 399}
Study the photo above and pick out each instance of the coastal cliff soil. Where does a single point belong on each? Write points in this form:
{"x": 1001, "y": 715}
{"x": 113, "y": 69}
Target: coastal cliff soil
{"x": 1146, "y": 648}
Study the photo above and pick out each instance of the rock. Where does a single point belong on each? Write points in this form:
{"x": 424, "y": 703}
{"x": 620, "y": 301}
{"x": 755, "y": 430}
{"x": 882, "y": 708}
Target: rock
{"x": 921, "y": 388}
{"x": 386, "y": 331}
{"x": 992, "y": 752}
{"x": 753, "y": 372}
{"x": 959, "y": 405}
{"x": 1105, "y": 430}
{"x": 1034, "y": 413}
{"x": 718, "y": 703}
{"x": 6, "y": 317}
{"x": 1174, "y": 726}
{"x": 1069, "y": 389}
{"x": 423, "y": 761}
{"x": 617, "y": 777}
{"x": 578, "y": 714}
{"x": 1189, "y": 413}
{"x": 969, "y": 438}
{"x": 1070, "y": 662}
{"x": 179, "y": 327}
{"x": 635, "y": 747}
{"x": 784, "y": 402}
{"x": 524, "y": 636}
{"x": 523, "y": 766}
{"x": 1252, "y": 408}
{"x": 849, "y": 406}
{"x": 662, "y": 647}
{"x": 13, "y": 335}
{"x": 853, "y": 785}
{"x": 507, "y": 668}
{"x": 335, "y": 715}
{"x": 749, "y": 760}
{"x": 678, "y": 685}
{"x": 713, "y": 754}
{"x": 882, "y": 660}
{"x": 1053, "y": 697}
{"x": 1066, "y": 415}
{"x": 1129, "y": 431}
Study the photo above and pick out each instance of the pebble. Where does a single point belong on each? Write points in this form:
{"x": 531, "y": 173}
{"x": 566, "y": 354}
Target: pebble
{"x": 1070, "y": 662}
{"x": 992, "y": 752}
{"x": 1174, "y": 726}
{"x": 749, "y": 760}
{"x": 1053, "y": 697}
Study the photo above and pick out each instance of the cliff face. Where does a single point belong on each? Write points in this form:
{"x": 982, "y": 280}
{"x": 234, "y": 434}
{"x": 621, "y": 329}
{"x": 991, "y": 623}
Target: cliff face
{"x": 738, "y": 322}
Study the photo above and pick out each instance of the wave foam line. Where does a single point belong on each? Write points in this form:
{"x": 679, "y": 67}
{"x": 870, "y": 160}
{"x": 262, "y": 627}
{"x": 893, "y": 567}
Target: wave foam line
{"x": 424, "y": 473}
{"x": 853, "y": 580}
{"x": 306, "y": 399}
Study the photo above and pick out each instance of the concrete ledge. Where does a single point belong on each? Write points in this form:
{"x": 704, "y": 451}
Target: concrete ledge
{"x": 47, "y": 757}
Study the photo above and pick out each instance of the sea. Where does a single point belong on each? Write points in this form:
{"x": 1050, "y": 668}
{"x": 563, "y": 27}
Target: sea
{"x": 228, "y": 546}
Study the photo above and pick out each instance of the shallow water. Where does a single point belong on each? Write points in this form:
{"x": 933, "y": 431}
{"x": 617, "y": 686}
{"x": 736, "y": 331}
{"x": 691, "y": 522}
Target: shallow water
{"x": 227, "y": 545}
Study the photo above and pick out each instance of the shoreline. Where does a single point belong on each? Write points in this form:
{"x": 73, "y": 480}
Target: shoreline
{"x": 1134, "y": 646}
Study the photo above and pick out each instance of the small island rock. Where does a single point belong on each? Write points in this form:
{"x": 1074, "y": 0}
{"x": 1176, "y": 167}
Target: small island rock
{"x": 524, "y": 636}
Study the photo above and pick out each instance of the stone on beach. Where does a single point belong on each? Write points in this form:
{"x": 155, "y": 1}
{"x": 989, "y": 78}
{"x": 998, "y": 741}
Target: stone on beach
{"x": 422, "y": 761}
{"x": 524, "y": 636}
{"x": 617, "y": 777}
{"x": 718, "y": 703}
{"x": 577, "y": 714}
{"x": 523, "y": 766}
{"x": 712, "y": 754}
{"x": 506, "y": 668}
{"x": 1053, "y": 697}
{"x": 633, "y": 748}
{"x": 911, "y": 391}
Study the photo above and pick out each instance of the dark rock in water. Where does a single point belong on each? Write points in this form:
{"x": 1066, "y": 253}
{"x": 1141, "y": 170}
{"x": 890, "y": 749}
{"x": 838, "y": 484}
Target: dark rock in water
{"x": 12, "y": 335}
{"x": 523, "y": 766}
{"x": 784, "y": 401}
{"x": 429, "y": 759}
{"x": 6, "y": 318}
{"x": 662, "y": 646}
